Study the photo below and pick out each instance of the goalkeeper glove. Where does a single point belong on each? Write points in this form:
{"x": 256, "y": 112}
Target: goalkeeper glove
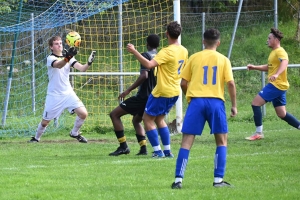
{"x": 70, "y": 53}
{"x": 91, "y": 58}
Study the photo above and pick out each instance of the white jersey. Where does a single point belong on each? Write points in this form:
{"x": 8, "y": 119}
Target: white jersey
{"x": 59, "y": 83}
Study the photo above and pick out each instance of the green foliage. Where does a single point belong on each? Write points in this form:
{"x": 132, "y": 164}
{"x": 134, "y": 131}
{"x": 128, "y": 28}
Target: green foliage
{"x": 6, "y": 6}
{"x": 288, "y": 9}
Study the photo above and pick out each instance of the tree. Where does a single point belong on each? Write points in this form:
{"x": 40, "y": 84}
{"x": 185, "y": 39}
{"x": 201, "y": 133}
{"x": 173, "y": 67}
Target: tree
{"x": 295, "y": 5}
{"x": 6, "y": 6}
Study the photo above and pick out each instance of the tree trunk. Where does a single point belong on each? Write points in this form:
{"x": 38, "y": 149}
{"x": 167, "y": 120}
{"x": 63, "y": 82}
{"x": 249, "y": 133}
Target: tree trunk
{"x": 298, "y": 27}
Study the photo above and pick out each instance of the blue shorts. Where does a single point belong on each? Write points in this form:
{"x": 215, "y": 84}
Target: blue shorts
{"x": 201, "y": 110}
{"x": 159, "y": 105}
{"x": 272, "y": 94}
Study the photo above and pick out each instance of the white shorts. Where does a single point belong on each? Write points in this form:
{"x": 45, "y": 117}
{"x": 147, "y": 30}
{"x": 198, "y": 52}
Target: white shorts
{"x": 55, "y": 105}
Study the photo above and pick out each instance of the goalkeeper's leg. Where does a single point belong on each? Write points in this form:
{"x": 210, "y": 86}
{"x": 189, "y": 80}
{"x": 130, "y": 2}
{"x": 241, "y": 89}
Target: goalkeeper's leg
{"x": 41, "y": 129}
{"x": 80, "y": 118}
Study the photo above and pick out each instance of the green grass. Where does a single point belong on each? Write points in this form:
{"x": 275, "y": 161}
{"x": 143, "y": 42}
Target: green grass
{"x": 60, "y": 168}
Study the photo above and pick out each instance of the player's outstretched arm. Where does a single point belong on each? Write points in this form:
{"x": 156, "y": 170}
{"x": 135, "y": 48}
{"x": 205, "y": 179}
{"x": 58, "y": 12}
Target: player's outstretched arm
{"x": 258, "y": 67}
{"x": 143, "y": 76}
{"x": 84, "y": 67}
{"x": 144, "y": 61}
{"x": 232, "y": 94}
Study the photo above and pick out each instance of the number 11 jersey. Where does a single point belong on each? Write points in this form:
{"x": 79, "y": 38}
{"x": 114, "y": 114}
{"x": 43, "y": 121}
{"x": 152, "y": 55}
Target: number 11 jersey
{"x": 207, "y": 72}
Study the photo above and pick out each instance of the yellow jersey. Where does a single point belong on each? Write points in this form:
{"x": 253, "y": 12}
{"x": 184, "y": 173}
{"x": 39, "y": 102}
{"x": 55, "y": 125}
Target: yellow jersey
{"x": 274, "y": 60}
{"x": 207, "y": 72}
{"x": 170, "y": 61}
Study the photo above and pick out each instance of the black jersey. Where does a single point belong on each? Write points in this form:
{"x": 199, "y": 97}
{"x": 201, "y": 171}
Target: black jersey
{"x": 147, "y": 86}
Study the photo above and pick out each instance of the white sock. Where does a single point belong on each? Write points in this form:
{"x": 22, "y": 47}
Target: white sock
{"x": 157, "y": 148}
{"x": 218, "y": 180}
{"x": 178, "y": 180}
{"x": 259, "y": 129}
{"x": 167, "y": 147}
{"x": 39, "y": 132}
{"x": 77, "y": 124}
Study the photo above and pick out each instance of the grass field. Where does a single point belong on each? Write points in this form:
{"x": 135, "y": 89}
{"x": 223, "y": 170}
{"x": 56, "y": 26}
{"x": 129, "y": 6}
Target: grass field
{"x": 60, "y": 168}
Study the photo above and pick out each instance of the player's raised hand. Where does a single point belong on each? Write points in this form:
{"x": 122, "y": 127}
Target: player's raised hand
{"x": 91, "y": 58}
{"x": 130, "y": 48}
{"x": 250, "y": 67}
{"x": 70, "y": 53}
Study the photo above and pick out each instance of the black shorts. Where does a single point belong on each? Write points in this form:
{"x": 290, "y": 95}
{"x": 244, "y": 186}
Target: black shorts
{"x": 134, "y": 105}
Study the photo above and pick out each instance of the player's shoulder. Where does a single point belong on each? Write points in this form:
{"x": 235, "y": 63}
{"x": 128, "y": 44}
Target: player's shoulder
{"x": 281, "y": 49}
{"x": 183, "y": 50}
{"x": 281, "y": 53}
{"x": 149, "y": 54}
{"x": 171, "y": 49}
{"x": 52, "y": 55}
{"x": 183, "y": 47}
{"x": 222, "y": 56}
{"x": 146, "y": 55}
{"x": 195, "y": 55}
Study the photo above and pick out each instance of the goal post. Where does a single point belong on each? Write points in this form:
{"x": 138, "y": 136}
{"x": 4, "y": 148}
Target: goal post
{"x": 179, "y": 117}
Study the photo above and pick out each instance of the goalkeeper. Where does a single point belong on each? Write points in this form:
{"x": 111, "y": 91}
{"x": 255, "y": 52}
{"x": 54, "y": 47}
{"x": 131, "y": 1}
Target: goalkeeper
{"x": 60, "y": 94}
{"x": 135, "y": 105}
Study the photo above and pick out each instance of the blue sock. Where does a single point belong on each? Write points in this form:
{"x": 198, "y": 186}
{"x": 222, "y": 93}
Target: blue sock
{"x": 257, "y": 115}
{"x": 181, "y": 162}
{"x": 220, "y": 161}
{"x": 165, "y": 137}
{"x": 291, "y": 120}
{"x": 153, "y": 137}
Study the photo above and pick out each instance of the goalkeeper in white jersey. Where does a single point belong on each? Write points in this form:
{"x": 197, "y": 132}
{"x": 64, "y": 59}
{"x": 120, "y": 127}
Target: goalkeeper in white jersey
{"x": 60, "y": 94}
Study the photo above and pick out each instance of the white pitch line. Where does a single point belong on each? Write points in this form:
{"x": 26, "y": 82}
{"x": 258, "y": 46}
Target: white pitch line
{"x": 149, "y": 159}
{"x": 268, "y": 130}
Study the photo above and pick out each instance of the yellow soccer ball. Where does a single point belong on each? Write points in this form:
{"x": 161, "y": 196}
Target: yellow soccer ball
{"x": 73, "y": 39}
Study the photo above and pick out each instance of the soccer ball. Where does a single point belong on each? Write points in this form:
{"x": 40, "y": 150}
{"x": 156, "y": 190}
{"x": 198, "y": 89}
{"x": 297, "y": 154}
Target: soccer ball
{"x": 73, "y": 39}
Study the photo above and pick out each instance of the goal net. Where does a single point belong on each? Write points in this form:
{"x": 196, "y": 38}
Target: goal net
{"x": 24, "y": 48}
{"x": 105, "y": 26}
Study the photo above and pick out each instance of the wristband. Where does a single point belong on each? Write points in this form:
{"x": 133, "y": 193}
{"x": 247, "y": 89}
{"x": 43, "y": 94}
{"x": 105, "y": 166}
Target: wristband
{"x": 66, "y": 59}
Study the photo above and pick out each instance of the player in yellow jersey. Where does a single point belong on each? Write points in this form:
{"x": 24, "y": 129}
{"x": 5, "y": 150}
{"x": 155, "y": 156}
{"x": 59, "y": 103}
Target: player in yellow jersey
{"x": 275, "y": 90}
{"x": 169, "y": 62}
{"x": 203, "y": 82}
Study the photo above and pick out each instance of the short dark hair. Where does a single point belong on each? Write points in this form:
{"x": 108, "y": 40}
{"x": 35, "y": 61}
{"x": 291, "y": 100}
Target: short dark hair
{"x": 52, "y": 39}
{"x": 277, "y": 33}
{"x": 211, "y": 36}
{"x": 153, "y": 41}
{"x": 174, "y": 29}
